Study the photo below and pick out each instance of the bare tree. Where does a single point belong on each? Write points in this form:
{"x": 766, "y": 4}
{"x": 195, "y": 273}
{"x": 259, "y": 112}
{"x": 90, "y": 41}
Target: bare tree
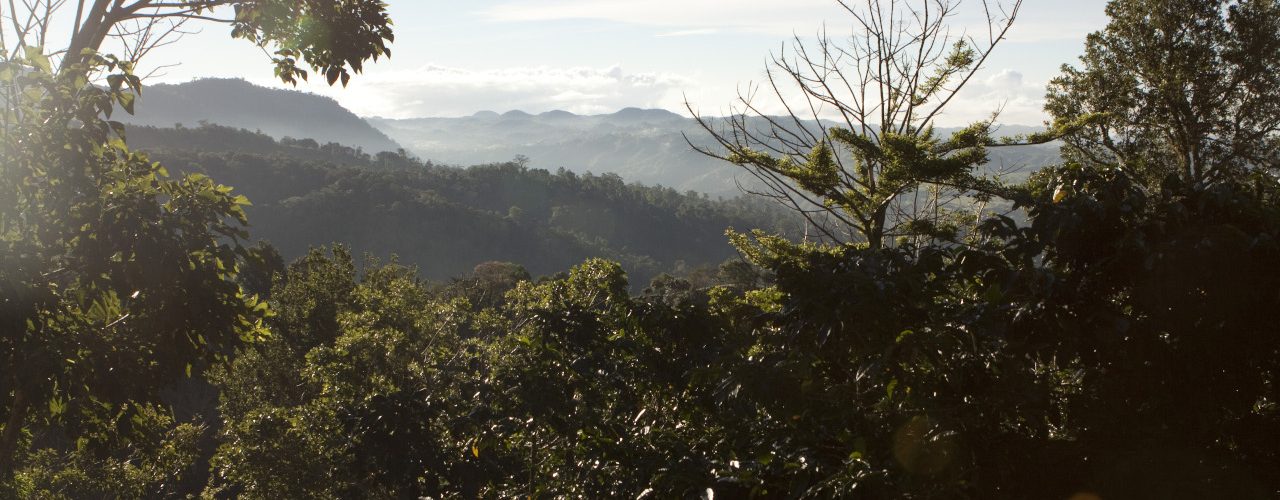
{"x": 856, "y": 151}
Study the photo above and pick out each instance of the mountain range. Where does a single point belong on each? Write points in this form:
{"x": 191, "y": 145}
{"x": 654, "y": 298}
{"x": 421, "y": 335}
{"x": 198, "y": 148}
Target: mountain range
{"x": 648, "y": 146}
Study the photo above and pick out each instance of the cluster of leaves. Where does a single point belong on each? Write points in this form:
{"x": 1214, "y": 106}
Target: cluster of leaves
{"x": 333, "y": 37}
{"x": 116, "y": 277}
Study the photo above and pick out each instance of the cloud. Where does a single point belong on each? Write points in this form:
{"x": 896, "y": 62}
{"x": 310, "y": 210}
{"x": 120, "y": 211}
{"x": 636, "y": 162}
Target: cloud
{"x": 448, "y": 91}
{"x": 760, "y": 16}
{"x": 1019, "y": 101}
{"x": 693, "y": 32}
{"x": 1038, "y": 22}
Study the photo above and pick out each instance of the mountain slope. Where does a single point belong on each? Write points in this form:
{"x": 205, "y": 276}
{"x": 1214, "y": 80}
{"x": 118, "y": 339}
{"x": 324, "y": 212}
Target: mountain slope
{"x": 648, "y": 146}
{"x": 240, "y": 104}
{"x": 446, "y": 220}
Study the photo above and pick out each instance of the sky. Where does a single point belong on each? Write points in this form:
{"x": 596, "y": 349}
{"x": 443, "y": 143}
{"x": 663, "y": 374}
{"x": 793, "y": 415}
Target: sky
{"x": 453, "y": 58}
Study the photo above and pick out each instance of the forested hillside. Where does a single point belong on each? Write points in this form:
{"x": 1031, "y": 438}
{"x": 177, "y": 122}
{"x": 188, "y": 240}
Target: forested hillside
{"x": 276, "y": 112}
{"x": 446, "y": 220}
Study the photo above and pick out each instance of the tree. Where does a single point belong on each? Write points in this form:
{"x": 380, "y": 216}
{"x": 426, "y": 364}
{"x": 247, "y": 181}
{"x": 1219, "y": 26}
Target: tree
{"x": 333, "y": 37}
{"x": 489, "y": 281}
{"x": 856, "y": 151}
{"x": 1159, "y": 298}
{"x": 117, "y": 278}
{"x": 369, "y": 377}
{"x": 121, "y": 279}
{"x": 1117, "y": 341}
{"x": 1179, "y": 87}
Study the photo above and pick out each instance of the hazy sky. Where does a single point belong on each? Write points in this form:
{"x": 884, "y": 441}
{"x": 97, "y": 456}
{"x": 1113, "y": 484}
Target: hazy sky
{"x": 454, "y": 58}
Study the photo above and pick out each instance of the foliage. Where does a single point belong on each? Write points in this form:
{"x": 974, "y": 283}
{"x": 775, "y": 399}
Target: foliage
{"x": 118, "y": 278}
{"x": 1159, "y": 300}
{"x": 1186, "y": 87}
{"x": 933, "y": 372}
{"x": 335, "y": 37}
{"x": 415, "y": 394}
{"x": 159, "y": 463}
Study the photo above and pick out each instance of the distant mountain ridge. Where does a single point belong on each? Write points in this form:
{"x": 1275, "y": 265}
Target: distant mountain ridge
{"x": 641, "y": 145}
{"x": 239, "y": 104}
{"x": 650, "y": 146}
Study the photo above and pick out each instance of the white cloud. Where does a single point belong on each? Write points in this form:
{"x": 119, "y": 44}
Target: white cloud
{"x": 1038, "y": 21}
{"x": 692, "y": 32}
{"x": 1019, "y": 101}
{"x": 764, "y": 16}
{"x": 448, "y": 91}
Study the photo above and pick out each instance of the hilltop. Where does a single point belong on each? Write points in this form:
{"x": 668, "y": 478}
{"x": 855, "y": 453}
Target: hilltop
{"x": 275, "y": 112}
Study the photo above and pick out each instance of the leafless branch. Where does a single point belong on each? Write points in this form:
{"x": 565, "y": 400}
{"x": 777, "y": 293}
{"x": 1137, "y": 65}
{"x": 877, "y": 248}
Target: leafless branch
{"x": 896, "y": 74}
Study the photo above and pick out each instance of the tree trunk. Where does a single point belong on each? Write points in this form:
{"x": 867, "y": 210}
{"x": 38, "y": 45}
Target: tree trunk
{"x": 875, "y": 233}
{"x": 12, "y": 431}
{"x": 90, "y": 36}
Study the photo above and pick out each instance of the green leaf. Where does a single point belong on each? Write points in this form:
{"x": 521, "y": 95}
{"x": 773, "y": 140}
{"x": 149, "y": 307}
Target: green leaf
{"x": 57, "y": 406}
{"x": 126, "y": 101}
{"x": 35, "y": 55}
{"x": 115, "y": 81}
{"x": 993, "y": 293}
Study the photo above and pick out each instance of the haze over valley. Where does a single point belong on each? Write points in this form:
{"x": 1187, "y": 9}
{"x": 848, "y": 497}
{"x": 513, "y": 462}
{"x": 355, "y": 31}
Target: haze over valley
{"x": 648, "y": 146}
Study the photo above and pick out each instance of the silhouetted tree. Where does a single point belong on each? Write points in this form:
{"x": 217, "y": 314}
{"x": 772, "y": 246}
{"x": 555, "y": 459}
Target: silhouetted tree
{"x": 1180, "y": 87}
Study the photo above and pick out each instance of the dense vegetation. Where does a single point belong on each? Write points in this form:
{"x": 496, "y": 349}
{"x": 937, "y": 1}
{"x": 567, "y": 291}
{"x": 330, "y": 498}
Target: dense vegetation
{"x": 447, "y": 220}
{"x": 1119, "y": 342}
